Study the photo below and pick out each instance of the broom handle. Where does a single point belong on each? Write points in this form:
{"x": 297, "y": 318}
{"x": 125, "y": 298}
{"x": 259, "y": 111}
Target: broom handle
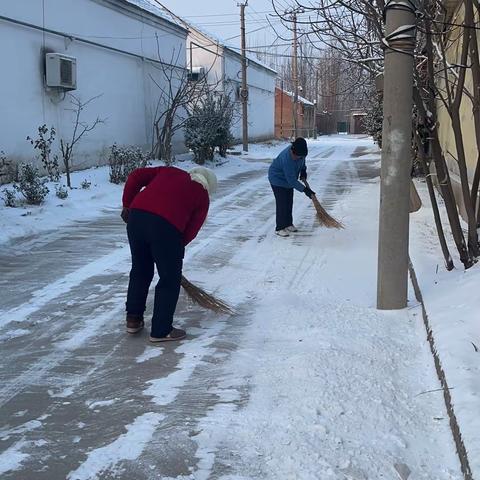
{"x": 306, "y": 183}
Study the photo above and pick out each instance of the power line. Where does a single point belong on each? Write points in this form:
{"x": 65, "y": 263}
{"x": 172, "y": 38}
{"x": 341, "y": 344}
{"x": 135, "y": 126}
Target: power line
{"x": 247, "y": 33}
{"x": 228, "y": 23}
{"x": 284, "y": 44}
{"x": 224, "y": 14}
{"x": 274, "y": 54}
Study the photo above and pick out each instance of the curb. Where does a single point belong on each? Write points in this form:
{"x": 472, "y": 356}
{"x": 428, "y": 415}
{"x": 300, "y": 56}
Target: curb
{"x": 454, "y": 427}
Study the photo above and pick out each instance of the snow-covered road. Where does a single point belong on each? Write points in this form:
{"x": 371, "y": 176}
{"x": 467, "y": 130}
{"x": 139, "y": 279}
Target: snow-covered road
{"x": 306, "y": 381}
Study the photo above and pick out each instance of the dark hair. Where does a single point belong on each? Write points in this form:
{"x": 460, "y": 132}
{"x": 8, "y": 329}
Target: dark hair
{"x": 299, "y": 147}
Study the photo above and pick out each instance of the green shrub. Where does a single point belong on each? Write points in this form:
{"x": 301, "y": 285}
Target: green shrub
{"x": 61, "y": 192}
{"x": 123, "y": 160}
{"x": 9, "y": 198}
{"x": 31, "y": 185}
{"x": 209, "y": 126}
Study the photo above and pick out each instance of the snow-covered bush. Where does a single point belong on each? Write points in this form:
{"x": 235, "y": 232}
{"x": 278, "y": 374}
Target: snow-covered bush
{"x": 209, "y": 126}
{"x": 8, "y": 169}
{"x": 123, "y": 160}
{"x": 61, "y": 191}
{"x": 373, "y": 122}
{"x": 9, "y": 198}
{"x": 86, "y": 184}
{"x": 31, "y": 185}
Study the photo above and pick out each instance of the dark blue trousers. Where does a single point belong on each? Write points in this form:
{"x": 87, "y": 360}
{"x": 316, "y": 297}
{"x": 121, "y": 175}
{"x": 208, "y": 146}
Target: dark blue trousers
{"x": 284, "y": 206}
{"x": 154, "y": 241}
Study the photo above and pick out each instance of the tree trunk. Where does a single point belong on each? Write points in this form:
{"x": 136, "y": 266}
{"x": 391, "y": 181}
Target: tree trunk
{"x": 454, "y": 111}
{"x": 475, "y": 62}
{"x": 462, "y": 165}
{"x": 444, "y": 183}
{"x": 436, "y": 213}
{"x": 443, "y": 176}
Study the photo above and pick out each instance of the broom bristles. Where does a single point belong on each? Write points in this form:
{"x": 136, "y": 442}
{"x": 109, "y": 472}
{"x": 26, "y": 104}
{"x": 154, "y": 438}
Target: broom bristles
{"x": 204, "y": 299}
{"x": 323, "y": 216}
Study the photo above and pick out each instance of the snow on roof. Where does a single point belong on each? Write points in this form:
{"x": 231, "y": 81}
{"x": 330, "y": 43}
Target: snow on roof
{"x": 219, "y": 41}
{"x": 151, "y": 6}
{"x": 300, "y": 98}
{"x": 250, "y": 58}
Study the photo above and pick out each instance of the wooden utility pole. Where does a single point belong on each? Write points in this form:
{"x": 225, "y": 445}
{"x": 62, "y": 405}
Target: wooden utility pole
{"x": 281, "y": 109}
{"x": 315, "y": 104}
{"x": 244, "y": 88}
{"x": 392, "y": 279}
{"x": 295, "y": 76}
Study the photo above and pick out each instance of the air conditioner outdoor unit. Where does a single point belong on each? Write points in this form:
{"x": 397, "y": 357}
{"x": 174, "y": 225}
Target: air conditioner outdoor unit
{"x": 61, "y": 71}
{"x": 197, "y": 73}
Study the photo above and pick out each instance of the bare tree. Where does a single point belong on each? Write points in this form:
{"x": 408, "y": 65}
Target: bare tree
{"x": 80, "y": 129}
{"x": 339, "y": 56}
{"x": 179, "y": 93}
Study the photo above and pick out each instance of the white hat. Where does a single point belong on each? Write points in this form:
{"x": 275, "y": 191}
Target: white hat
{"x": 205, "y": 177}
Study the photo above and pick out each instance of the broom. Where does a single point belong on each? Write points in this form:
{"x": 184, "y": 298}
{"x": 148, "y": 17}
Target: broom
{"x": 204, "y": 299}
{"x": 322, "y": 215}
{"x": 415, "y": 200}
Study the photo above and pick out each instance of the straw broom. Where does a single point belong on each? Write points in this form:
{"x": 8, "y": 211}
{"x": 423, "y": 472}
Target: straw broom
{"x": 204, "y": 299}
{"x": 322, "y": 215}
{"x": 415, "y": 200}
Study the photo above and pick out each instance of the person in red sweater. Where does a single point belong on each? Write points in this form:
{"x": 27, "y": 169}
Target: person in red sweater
{"x": 164, "y": 208}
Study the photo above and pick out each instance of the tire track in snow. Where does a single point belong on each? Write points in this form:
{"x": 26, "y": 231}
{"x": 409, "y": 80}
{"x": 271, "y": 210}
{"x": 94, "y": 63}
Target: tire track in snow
{"x": 40, "y": 368}
{"x": 208, "y": 447}
{"x": 239, "y": 220}
{"x": 112, "y": 262}
{"x": 63, "y": 351}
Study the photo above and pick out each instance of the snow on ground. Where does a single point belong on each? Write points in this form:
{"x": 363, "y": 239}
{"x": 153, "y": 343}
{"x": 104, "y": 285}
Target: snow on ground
{"x": 326, "y": 368}
{"x": 126, "y": 447}
{"x": 263, "y": 150}
{"x": 307, "y": 381}
{"x": 88, "y": 204}
{"x": 453, "y": 305}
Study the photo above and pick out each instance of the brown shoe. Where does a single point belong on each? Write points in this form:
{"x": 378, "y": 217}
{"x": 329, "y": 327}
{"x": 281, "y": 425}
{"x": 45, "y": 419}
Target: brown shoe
{"x": 174, "y": 335}
{"x": 135, "y": 323}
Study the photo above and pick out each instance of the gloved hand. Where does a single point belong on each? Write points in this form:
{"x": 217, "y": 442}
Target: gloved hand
{"x": 308, "y": 192}
{"x": 124, "y": 214}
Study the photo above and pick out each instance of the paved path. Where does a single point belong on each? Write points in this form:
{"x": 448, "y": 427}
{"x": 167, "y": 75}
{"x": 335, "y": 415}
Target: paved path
{"x": 80, "y": 398}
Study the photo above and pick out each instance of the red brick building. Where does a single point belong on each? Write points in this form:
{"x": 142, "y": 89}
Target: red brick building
{"x": 284, "y": 115}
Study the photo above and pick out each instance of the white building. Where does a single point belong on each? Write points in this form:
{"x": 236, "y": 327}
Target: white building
{"x": 116, "y": 46}
{"x": 222, "y": 65}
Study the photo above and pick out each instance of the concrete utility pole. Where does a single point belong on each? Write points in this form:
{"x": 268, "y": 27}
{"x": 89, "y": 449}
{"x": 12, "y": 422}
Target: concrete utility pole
{"x": 244, "y": 88}
{"x": 295, "y": 76}
{"x": 392, "y": 280}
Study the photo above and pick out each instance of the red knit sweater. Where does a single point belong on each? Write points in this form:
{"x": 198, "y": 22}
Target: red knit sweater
{"x": 170, "y": 193}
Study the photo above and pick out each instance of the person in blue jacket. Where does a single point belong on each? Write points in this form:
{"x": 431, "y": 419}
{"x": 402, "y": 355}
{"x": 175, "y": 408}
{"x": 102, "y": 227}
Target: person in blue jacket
{"x": 283, "y": 176}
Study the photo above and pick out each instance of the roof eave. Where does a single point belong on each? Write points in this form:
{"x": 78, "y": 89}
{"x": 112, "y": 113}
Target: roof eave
{"x": 125, "y": 4}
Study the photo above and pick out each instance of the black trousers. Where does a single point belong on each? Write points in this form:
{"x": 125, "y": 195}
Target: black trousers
{"x": 284, "y": 206}
{"x": 154, "y": 241}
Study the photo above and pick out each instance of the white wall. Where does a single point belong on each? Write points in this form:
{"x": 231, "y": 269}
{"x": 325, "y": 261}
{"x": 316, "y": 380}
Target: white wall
{"x": 261, "y": 100}
{"x": 203, "y": 52}
{"x": 128, "y": 95}
{"x": 224, "y": 65}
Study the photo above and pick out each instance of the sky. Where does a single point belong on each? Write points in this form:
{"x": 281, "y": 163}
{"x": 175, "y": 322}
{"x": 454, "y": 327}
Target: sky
{"x": 222, "y": 18}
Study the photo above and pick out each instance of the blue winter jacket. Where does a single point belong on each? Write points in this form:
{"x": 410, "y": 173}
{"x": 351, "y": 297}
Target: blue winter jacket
{"x": 284, "y": 171}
